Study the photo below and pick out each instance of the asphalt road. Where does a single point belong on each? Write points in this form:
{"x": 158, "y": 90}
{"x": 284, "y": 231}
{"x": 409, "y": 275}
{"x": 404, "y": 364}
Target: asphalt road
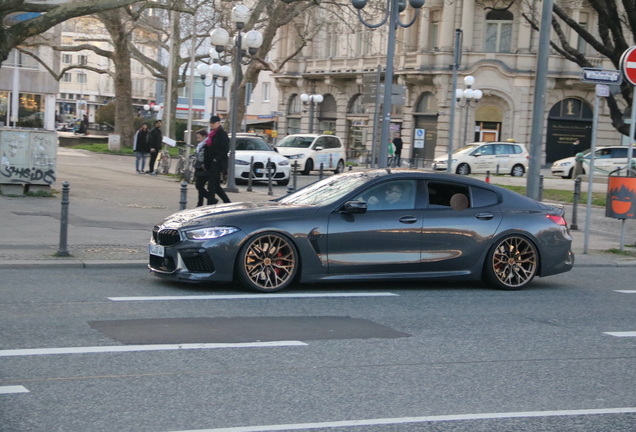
{"x": 421, "y": 357}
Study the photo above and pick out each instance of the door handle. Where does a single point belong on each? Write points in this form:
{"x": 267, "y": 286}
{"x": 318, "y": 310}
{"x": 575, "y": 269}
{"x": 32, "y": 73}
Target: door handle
{"x": 408, "y": 219}
{"x": 485, "y": 216}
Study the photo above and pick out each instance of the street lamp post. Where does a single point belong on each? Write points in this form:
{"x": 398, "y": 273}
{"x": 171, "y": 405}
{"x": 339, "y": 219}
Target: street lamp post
{"x": 312, "y": 100}
{"x": 252, "y": 41}
{"x": 467, "y": 95}
{"x": 392, "y": 15}
{"x": 217, "y": 71}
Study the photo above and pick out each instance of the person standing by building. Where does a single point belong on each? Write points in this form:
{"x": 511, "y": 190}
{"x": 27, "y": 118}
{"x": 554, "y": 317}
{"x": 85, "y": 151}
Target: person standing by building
{"x": 397, "y": 143}
{"x": 155, "y": 138}
{"x": 217, "y": 145}
{"x": 201, "y": 175}
{"x": 141, "y": 147}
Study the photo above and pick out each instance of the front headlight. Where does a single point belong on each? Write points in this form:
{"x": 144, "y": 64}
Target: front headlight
{"x": 296, "y": 156}
{"x": 241, "y": 162}
{"x": 566, "y": 163}
{"x": 210, "y": 233}
{"x": 283, "y": 162}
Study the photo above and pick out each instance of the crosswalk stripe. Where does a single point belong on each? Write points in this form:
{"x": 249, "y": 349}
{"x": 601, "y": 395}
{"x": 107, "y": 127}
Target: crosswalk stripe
{"x": 252, "y": 296}
{"x": 12, "y": 389}
{"x": 132, "y": 348}
{"x": 626, "y": 291}
{"x": 622, "y": 334}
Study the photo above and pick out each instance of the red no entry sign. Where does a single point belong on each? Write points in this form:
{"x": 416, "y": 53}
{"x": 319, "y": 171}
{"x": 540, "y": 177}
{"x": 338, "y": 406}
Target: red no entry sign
{"x": 628, "y": 65}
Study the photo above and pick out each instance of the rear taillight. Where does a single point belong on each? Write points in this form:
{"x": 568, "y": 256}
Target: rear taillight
{"x": 559, "y": 220}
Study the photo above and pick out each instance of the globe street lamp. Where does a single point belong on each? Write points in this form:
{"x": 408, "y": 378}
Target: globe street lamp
{"x": 312, "y": 100}
{"x": 244, "y": 45}
{"x": 392, "y": 15}
{"x": 467, "y": 96}
{"x": 217, "y": 71}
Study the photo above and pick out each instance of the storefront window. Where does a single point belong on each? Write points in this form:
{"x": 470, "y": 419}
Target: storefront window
{"x": 31, "y": 111}
{"x": 4, "y": 108}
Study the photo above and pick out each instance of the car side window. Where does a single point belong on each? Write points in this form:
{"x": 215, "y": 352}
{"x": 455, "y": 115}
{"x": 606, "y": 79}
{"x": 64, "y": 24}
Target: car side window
{"x": 440, "y": 194}
{"x": 483, "y": 197}
{"x": 320, "y": 142}
{"x": 516, "y": 149}
{"x": 484, "y": 150}
{"x": 604, "y": 154}
{"x": 619, "y": 153}
{"x": 502, "y": 149}
{"x": 334, "y": 143}
{"x": 391, "y": 195}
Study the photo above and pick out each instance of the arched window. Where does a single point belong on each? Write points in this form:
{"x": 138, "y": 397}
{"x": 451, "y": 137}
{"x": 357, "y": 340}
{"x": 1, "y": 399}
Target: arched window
{"x": 356, "y": 106}
{"x": 427, "y": 104}
{"x": 293, "y": 108}
{"x": 498, "y": 37}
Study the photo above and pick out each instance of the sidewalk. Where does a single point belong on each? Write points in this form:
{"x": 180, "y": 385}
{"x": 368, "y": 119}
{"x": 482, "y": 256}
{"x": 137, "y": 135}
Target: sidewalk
{"x": 112, "y": 211}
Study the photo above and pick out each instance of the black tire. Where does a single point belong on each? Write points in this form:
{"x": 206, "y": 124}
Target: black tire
{"x": 282, "y": 182}
{"x": 511, "y": 263}
{"x": 517, "y": 171}
{"x": 267, "y": 262}
{"x": 340, "y": 167}
{"x": 463, "y": 169}
{"x": 309, "y": 167}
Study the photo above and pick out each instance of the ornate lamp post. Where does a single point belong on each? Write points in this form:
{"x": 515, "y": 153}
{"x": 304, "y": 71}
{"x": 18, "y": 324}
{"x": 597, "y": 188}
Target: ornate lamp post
{"x": 244, "y": 45}
{"x": 392, "y": 15}
{"x": 312, "y": 100}
{"x": 467, "y": 96}
{"x": 217, "y": 71}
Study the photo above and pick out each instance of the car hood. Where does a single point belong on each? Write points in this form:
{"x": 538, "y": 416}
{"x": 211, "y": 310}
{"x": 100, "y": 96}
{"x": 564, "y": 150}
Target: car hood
{"x": 233, "y": 214}
{"x": 246, "y": 155}
{"x": 288, "y": 151}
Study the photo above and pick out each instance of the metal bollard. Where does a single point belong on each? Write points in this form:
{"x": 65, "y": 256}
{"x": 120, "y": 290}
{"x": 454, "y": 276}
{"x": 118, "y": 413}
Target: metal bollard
{"x": 62, "y": 251}
{"x": 269, "y": 177}
{"x": 322, "y": 171}
{"x": 295, "y": 173}
{"x": 183, "y": 202}
{"x": 350, "y": 167}
{"x": 497, "y": 172}
{"x": 540, "y": 187}
{"x": 487, "y": 176}
{"x": 575, "y": 202}
{"x": 249, "y": 176}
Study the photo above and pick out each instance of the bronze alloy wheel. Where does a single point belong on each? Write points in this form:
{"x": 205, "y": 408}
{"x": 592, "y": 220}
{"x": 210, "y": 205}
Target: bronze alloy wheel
{"x": 512, "y": 263}
{"x": 269, "y": 263}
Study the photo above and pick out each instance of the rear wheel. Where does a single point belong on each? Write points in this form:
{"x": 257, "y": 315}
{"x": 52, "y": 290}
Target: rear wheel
{"x": 267, "y": 262}
{"x": 511, "y": 264}
{"x": 463, "y": 169}
{"x": 309, "y": 167}
{"x": 518, "y": 171}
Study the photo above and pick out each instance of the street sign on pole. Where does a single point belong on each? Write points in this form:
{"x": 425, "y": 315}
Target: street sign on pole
{"x": 601, "y": 76}
{"x": 628, "y": 65}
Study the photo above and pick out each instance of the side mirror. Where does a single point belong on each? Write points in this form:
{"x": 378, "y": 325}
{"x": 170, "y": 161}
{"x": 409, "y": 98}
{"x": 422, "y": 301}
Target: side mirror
{"x": 355, "y": 207}
{"x": 318, "y": 148}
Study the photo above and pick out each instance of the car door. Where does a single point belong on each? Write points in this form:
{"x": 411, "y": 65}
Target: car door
{"x": 484, "y": 159}
{"x": 503, "y": 154}
{"x": 454, "y": 240}
{"x": 384, "y": 239}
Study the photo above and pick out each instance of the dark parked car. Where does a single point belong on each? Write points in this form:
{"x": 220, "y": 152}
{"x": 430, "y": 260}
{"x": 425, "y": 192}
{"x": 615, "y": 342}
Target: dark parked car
{"x": 371, "y": 225}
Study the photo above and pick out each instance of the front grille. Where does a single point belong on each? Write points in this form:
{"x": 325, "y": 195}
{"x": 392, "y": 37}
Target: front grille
{"x": 261, "y": 165}
{"x": 162, "y": 263}
{"x": 197, "y": 264}
{"x": 166, "y": 237}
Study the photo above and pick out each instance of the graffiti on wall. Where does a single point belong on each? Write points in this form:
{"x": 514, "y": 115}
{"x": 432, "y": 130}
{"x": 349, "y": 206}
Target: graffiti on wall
{"x": 28, "y": 157}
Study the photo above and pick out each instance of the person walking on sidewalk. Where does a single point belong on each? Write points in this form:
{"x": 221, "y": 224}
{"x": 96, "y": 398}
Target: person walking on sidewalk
{"x": 215, "y": 160}
{"x": 201, "y": 176}
{"x": 397, "y": 143}
{"x": 141, "y": 147}
{"x": 155, "y": 138}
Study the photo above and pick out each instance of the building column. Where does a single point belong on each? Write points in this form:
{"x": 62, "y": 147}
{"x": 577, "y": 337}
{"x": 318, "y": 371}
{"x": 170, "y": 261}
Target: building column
{"x": 468, "y": 17}
{"x": 447, "y": 28}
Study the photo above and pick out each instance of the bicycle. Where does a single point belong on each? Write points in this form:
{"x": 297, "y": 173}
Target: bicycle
{"x": 163, "y": 162}
{"x": 180, "y": 169}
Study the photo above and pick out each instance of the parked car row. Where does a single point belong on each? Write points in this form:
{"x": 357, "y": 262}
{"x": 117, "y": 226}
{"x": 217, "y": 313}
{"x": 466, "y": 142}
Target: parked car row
{"x": 506, "y": 157}
{"x": 606, "y": 160}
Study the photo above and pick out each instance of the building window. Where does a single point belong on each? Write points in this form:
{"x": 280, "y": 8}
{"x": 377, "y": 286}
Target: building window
{"x": 433, "y": 29}
{"x": 498, "y": 31}
{"x": 265, "y": 92}
{"x": 581, "y": 45}
{"x": 66, "y": 77}
{"x": 67, "y": 58}
{"x": 82, "y": 59}
{"x": 294, "y": 105}
{"x": 81, "y": 78}
{"x": 331, "y": 42}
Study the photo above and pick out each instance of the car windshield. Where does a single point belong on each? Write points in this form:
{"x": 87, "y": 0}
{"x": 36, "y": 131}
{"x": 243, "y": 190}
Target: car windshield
{"x": 296, "y": 141}
{"x": 251, "y": 144}
{"x": 330, "y": 189}
{"x": 466, "y": 148}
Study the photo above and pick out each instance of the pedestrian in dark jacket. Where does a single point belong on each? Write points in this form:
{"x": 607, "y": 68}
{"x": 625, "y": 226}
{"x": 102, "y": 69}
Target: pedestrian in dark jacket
{"x": 141, "y": 147}
{"x": 155, "y": 138}
{"x": 397, "y": 142}
{"x": 201, "y": 176}
{"x": 215, "y": 159}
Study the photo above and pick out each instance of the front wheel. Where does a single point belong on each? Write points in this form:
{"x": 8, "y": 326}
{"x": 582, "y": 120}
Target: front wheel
{"x": 340, "y": 167}
{"x": 511, "y": 264}
{"x": 463, "y": 169}
{"x": 309, "y": 167}
{"x": 267, "y": 262}
{"x": 518, "y": 171}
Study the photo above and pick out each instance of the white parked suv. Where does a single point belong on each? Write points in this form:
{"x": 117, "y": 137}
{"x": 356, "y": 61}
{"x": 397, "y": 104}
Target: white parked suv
{"x": 506, "y": 157}
{"x": 310, "y": 150}
{"x": 606, "y": 160}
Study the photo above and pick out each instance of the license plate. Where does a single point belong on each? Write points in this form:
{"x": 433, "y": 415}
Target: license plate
{"x": 156, "y": 250}
{"x": 260, "y": 171}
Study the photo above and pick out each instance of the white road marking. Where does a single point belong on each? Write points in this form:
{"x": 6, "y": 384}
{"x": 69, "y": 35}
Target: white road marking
{"x": 252, "y": 296}
{"x": 403, "y": 420}
{"x": 12, "y": 389}
{"x": 626, "y": 291}
{"x": 622, "y": 334}
{"x": 131, "y": 348}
